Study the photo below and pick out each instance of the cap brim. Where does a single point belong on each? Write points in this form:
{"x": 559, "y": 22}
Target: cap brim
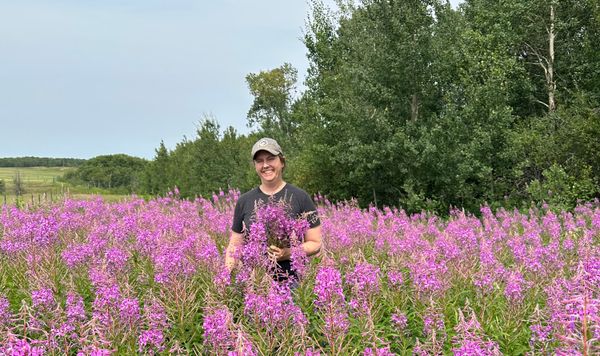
{"x": 273, "y": 152}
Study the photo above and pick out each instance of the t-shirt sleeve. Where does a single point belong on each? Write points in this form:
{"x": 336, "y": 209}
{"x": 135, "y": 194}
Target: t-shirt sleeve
{"x": 308, "y": 206}
{"x": 238, "y": 218}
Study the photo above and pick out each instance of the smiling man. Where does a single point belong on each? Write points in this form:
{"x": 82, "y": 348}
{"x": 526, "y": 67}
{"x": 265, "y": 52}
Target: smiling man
{"x": 269, "y": 163}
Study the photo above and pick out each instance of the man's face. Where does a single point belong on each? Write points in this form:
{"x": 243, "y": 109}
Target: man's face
{"x": 268, "y": 166}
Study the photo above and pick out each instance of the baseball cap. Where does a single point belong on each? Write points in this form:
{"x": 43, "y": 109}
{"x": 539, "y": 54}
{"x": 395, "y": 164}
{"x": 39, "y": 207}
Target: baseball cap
{"x": 266, "y": 144}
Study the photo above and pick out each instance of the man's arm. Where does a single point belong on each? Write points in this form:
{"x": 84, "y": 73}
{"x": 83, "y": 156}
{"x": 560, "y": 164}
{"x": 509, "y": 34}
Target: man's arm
{"x": 236, "y": 241}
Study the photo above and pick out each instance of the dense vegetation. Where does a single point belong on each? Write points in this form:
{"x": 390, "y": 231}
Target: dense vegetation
{"x": 148, "y": 277}
{"x": 414, "y": 104}
{"x": 120, "y": 171}
{"x": 40, "y": 162}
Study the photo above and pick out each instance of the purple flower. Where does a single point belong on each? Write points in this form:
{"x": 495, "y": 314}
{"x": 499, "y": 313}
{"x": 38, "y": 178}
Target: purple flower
{"x": 76, "y": 255}
{"x": 155, "y": 316}
{"x": 328, "y": 286}
{"x": 151, "y": 340}
{"x": 222, "y": 279}
{"x": 5, "y": 314}
{"x": 129, "y": 310}
{"x": 217, "y": 333}
{"x": 43, "y": 298}
{"x": 21, "y": 347}
{"x": 75, "y": 308}
{"x": 276, "y": 310}
{"x": 336, "y": 323}
{"x": 400, "y": 320}
{"x": 116, "y": 258}
{"x": 364, "y": 280}
{"x": 384, "y": 351}
{"x": 470, "y": 338}
{"x": 540, "y": 333}
{"x": 395, "y": 279}
{"x": 514, "y": 286}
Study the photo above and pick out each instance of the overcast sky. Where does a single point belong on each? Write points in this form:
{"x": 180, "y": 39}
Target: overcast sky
{"x": 81, "y": 78}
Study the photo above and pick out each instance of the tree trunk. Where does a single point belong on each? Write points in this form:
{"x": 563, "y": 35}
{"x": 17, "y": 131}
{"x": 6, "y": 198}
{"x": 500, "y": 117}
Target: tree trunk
{"x": 550, "y": 73}
{"x": 414, "y": 107}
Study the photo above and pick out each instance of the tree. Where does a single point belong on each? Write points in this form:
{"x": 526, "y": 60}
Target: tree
{"x": 158, "y": 171}
{"x": 110, "y": 171}
{"x": 371, "y": 94}
{"x": 273, "y": 93}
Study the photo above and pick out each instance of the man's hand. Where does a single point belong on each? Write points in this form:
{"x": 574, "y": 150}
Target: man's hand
{"x": 278, "y": 254}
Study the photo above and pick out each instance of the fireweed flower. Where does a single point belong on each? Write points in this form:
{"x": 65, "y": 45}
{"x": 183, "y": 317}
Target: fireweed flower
{"x": 429, "y": 275}
{"x": 116, "y": 258}
{"x": 364, "y": 279}
{"x": 328, "y": 287}
{"x": 76, "y": 255}
{"x": 222, "y": 279}
{"x": 151, "y": 340}
{"x": 276, "y": 310}
{"x": 364, "y": 283}
{"x": 331, "y": 302}
{"x": 433, "y": 322}
{"x": 218, "y": 335}
{"x": 384, "y": 351}
{"x": 75, "y": 308}
{"x": 171, "y": 263}
{"x": 395, "y": 279}
{"x": 43, "y": 299}
{"x": 574, "y": 307}
{"x": 155, "y": 315}
{"x": 540, "y": 334}
{"x": 470, "y": 338}
{"x": 434, "y": 330}
{"x": 515, "y": 283}
{"x": 20, "y": 347}
{"x": 106, "y": 304}
{"x": 400, "y": 321}
{"x": 273, "y": 227}
{"x": 5, "y": 314}
{"x": 129, "y": 311}
{"x": 243, "y": 346}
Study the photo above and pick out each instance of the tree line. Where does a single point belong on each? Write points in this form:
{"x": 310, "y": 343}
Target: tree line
{"x": 40, "y": 162}
{"x": 417, "y": 105}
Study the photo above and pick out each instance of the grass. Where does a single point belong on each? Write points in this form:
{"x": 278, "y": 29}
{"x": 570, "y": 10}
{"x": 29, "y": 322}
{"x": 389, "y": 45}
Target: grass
{"x": 44, "y": 184}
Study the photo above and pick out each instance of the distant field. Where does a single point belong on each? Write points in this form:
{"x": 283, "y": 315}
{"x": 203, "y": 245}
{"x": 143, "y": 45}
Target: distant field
{"x": 34, "y": 175}
{"x": 37, "y": 183}
{"x": 42, "y": 184}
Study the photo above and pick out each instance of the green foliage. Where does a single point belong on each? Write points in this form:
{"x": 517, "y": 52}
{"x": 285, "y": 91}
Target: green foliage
{"x": 118, "y": 171}
{"x": 40, "y": 162}
{"x": 418, "y": 105}
{"x": 561, "y": 190}
{"x": 2, "y": 186}
{"x": 213, "y": 161}
{"x": 273, "y": 96}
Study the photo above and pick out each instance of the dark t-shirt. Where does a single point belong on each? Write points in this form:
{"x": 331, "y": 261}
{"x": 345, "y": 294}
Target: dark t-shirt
{"x": 298, "y": 201}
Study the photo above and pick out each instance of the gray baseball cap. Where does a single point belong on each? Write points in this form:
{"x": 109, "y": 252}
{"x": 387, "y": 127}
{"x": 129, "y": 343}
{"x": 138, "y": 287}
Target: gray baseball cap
{"x": 266, "y": 144}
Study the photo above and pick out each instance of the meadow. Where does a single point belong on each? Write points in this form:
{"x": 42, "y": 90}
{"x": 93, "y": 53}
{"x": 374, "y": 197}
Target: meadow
{"x": 44, "y": 184}
{"x": 137, "y": 276}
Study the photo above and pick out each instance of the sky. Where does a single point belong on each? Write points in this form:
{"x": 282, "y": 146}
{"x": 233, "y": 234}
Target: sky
{"x": 82, "y": 78}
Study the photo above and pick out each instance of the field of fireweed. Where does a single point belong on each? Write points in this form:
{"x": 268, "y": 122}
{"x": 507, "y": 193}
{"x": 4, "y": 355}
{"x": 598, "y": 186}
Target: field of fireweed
{"x": 102, "y": 278}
